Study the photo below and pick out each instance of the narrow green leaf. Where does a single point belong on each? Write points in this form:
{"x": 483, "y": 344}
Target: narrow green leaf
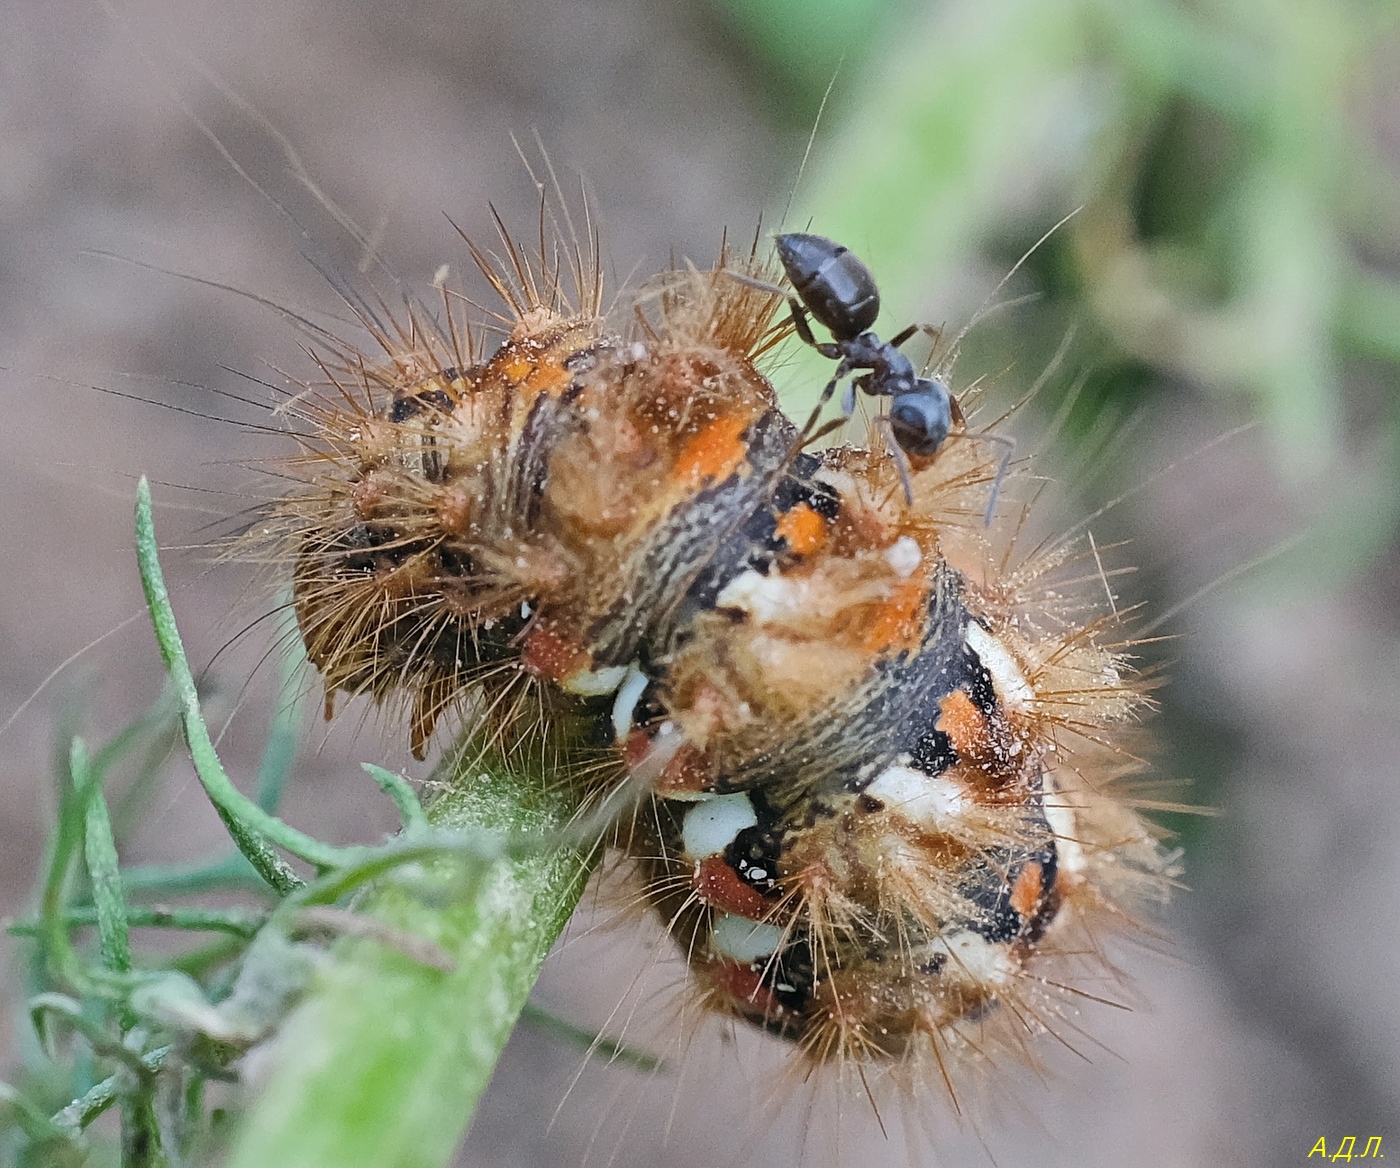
{"x": 100, "y": 852}
{"x": 404, "y": 797}
{"x": 64, "y": 843}
{"x": 232, "y": 873}
{"x": 71, "y": 1012}
{"x": 97, "y": 1099}
{"x": 250, "y": 826}
{"x": 597, "y": 1045}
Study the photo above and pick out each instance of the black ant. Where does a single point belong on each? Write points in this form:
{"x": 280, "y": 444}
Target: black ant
{"x": 834, "y": 286}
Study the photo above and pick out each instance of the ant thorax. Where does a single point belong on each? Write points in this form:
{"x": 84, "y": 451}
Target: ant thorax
{"x": 874, "y": 801}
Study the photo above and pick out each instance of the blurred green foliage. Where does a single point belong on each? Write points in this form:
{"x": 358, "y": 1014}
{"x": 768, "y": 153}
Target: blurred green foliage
{"x": 1237, "y": 225}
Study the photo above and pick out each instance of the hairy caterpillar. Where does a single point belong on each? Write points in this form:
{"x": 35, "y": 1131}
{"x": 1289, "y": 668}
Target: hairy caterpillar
{"x": 874, "y": 746}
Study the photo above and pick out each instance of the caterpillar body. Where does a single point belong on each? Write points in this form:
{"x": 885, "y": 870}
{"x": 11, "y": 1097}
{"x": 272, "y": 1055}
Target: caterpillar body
{"x": 875, "y": 749}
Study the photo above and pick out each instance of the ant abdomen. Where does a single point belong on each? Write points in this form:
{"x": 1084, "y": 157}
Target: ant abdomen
{"x": 833, "y": 282}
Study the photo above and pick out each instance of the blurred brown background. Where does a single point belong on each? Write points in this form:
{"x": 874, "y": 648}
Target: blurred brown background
{"x": 1275, "y": 1020}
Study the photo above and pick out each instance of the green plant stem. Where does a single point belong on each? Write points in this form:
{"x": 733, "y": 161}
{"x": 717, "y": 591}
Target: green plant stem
{"x": 383, "y": 1064}
{"x": 239, "y": 922}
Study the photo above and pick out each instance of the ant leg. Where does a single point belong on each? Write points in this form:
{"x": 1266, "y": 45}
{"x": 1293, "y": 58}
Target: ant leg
{"x": 804, "y": 331}
{"x": 928, "y": 329}
{"x": 817, "y": 435}
{"x": 799, "y": 322}
{"x": 901, "y": 460}
{"x": 935, "y": 334}
{"x": 842, "y": 370}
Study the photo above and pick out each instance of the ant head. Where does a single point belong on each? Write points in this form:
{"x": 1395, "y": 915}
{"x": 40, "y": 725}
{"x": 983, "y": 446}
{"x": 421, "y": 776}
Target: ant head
{"x": 920, "y": 420}
{"x": 833, "y": 283}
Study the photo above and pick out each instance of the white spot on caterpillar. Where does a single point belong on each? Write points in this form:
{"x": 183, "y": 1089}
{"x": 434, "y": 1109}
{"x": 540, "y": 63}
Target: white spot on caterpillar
{"x": 976, "y": 958}
{"x": 741, "y": 939}
{"x": 1064, "y": 826}
{"x": 764, "y": 598}
{"x": 629, "y": 693}
{"x": 928, "y": 800}
{"x": 713, "y": 825}
{"x": 595, "y": 683}
{"x": 1010, "y": 683}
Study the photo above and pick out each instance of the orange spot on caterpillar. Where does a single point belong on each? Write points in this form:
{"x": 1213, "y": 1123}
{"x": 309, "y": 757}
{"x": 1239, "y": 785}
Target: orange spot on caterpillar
{"x": 965, "y": 725}
{"x": 897, "y": 621}
{"x": 986, "y": 741}
{"x": 714, "y": 453}
{"x": 547, "y": 377}
{"x": 636, "y": 748}
{"x": 743, "y": 985}
{"x": 688, "y": 772}
{"x": 1026, "y": 891}
{"x": 803, "y": 528}
{"x": 517, "y": 368}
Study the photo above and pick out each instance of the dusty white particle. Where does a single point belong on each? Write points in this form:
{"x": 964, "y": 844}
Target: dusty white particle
{"x": 904, "y": 556}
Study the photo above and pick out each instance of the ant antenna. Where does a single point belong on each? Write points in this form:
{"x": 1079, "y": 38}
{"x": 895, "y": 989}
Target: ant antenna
{"x": 1009, "y": 445}
{"x": 901, "y": 460}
